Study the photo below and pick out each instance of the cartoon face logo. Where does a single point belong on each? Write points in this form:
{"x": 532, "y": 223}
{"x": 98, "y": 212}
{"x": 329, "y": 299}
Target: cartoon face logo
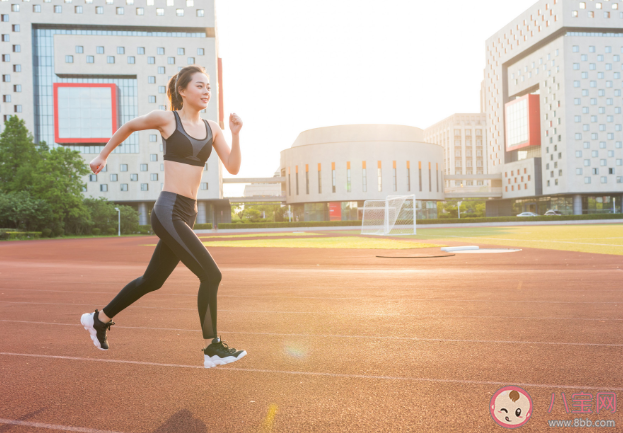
{"x": 511, "y": 407}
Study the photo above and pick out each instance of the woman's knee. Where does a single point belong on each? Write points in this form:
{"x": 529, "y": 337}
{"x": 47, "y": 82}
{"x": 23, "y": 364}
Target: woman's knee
{"x": 212, "y": 277}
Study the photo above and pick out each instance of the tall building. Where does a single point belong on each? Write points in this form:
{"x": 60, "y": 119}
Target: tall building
{"x": 552, "y": 96}
{"x": 76, "y": 71}
{"x": 463, "y": 138}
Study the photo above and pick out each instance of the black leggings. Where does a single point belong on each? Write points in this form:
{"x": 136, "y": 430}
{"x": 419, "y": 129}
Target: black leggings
{"x": 172, "y": 219}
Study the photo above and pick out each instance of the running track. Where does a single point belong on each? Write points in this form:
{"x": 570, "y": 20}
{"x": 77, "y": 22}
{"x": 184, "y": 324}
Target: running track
{"x": 337, "y": 340}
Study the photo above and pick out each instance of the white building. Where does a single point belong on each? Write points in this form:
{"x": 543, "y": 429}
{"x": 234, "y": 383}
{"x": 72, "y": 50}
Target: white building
{"x": 76, "y": 71}
{"x": 330, "y": 171}
{"x": 552, "y": 98}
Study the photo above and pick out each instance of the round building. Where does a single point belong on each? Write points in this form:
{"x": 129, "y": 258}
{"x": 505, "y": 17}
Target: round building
{"x": 329, "y": 172}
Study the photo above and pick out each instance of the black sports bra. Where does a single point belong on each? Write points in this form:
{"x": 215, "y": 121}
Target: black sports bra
{"x": 181, "y": 147}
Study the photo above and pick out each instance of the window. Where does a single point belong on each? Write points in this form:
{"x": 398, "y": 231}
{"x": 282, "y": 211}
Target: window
{"x": 6, "y": 78}
{"x": 604, "y": 179}
{"x": 119, "y": 11}
{"x": 110, "y": 59}
{"x": 150, "y": 2}
{"x": 159, "y": 11}
{"x": 161, "y": 70}
{"x": 153, "y": 138}
{"x": 69, "y": 59}
{"x": 153, "y": 176}
{"x": 104, "y": 187}
{"x": 200, "y": 51}
{"x": 131, "y": 60}
{"x": 171, "y": 60}
{"x": 379, "y": 177}
{"x": 36, "y": 9}
{"x": 17, "y": 88}
{"x": 4, "y": 18}
{"x": 114, "y": 177}
{"x": 99, "y": 50}
{"x": 140, "y": 11}
{"x": 190, "y": 3}
{"x": 15, "y": 27}
{"x": 578, "y": 171}
{"x": 151, "y": 60}
{"x": 595, "y": 171}
{"x": 140, "y": 50}
{"x": 120, "y": 50}
{"x": 153, "y": 157}
{"x": 199, "y": 12}
{"x": 93, "y": 178}
{"x": 151, "y": 99}
{"x": 190, "y": 60}
{"x": 162, "y": 89}
{"x": 124, "y": 186}
{"x": 129, "y": 2}
{"x": 204, "y": 185}
{"x": 99, "y": 10}
{"x": 78, "y": 9}
{"x": 6, "y": 38}
{"x": 134, "y": 177}
{"x": 6, "y": 57}
{"x": 179, "y": 12}
{"x": 14, "y": 8}
{"x": 17, "y": 108}
{"x": 79, "y": 49}
{"x": 144, "y": 187}
{"x": 90, "y": 59}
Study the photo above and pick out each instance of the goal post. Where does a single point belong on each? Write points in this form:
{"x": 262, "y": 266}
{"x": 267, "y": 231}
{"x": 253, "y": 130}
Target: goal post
{"x": 396, "y": 215}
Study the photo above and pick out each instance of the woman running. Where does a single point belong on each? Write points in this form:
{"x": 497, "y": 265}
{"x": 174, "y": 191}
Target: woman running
{"x": 174, "y": 213}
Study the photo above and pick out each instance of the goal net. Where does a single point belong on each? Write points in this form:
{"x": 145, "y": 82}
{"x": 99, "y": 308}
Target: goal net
{"x": 393, "y": 216}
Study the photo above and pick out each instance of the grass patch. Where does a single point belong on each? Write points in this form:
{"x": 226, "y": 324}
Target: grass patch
{"x": 597, "y": 238}
{"x": 350, "y": 242}
{"x": 257, "y": 235}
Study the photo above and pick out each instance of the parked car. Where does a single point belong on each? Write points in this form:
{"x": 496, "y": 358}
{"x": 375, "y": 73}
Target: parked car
{"x": 553, "y": 212}
{"x": 527, "y": 214}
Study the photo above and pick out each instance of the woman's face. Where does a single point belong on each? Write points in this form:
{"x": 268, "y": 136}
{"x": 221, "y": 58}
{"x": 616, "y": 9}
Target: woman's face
{"x": 198, "y": 93}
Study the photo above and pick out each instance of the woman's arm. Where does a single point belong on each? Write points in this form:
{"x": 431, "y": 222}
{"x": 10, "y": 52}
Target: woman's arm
{"x": 231, "y": 158}
{"x": 155, "y": 120}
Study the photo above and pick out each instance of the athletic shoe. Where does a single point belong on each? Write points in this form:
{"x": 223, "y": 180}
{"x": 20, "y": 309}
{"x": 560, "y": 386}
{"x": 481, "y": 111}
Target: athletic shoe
{"x": 96, "y": 328}
{"x": 219, "y": 353}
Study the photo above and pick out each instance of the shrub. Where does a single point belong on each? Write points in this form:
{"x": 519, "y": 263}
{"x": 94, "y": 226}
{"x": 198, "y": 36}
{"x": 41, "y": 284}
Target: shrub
{"x": 58, "y": 232}
{"x": 111, "y": 231}
{"x": 96, "y": 231}
{"x": 46, "y": 233}
{"x": 206, "y": 226}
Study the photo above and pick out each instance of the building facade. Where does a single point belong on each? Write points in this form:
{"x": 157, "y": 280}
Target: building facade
{"x": 552, "y": 99}
{"x": 463, "y": 138}
{"x": 75, "y": 71}
{"x": 329, "y": 172}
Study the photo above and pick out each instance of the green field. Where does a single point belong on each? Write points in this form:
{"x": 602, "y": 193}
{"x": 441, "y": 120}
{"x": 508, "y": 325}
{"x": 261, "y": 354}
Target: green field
{"x": 258, "y": 235}
{"x": 587, "y": 238}
{"x": 351, "y": 242}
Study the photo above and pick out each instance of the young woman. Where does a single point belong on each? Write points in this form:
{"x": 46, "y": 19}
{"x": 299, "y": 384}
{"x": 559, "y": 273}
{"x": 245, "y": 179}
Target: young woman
{"x": 174, "y": 213}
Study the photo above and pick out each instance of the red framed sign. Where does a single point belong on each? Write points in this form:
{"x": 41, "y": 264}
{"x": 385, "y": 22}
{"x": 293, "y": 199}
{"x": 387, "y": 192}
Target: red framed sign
{"x": 84, "y": 112}
{"x": 523, "y": 124}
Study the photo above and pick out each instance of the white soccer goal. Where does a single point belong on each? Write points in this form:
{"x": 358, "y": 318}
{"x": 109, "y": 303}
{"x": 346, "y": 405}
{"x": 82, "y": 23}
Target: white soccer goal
{"x": 393, "y": 216}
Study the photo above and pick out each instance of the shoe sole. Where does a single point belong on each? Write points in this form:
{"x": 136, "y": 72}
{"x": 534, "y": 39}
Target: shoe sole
{"x": 216, "y": 361}
{"x": 87, "y": 321}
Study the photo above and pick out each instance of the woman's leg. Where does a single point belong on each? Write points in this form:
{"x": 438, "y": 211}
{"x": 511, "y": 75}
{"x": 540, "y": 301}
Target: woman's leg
{"x": 190, "y": 250}
{"x": 161, "y": 265}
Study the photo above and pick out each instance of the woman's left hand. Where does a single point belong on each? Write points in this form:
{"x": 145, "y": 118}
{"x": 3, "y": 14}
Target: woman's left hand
{"x": 235, "y": 123}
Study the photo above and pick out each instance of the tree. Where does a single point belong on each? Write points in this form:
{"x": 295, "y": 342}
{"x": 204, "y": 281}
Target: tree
{"x": 57, "y": 179}
{"x": 20, "y": 211}
{"x": 104, "y": 216}
{"x": 18, "y": 156}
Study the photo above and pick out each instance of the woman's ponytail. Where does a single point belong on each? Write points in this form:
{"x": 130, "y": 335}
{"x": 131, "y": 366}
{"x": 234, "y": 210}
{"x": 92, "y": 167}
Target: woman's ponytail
{"x": 180, "y": 81}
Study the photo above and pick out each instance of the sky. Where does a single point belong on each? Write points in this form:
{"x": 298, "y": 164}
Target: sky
{"x": 293, "y": 65}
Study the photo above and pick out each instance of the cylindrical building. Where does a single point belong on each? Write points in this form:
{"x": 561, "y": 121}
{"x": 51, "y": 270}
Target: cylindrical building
{"x": 331, "y": 171}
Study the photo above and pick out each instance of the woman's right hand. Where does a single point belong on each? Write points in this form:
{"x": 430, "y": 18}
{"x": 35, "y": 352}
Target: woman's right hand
{"x": 97, "y": 164}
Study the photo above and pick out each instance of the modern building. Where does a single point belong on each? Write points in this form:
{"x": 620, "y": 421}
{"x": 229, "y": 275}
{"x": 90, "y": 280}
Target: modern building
{"x": 463, "y": 138}
{"x": 75, "y": 71}
{"x": 552, "y": 99}
{"x": 263, "y": 189}
{"x": 329, "y": 172}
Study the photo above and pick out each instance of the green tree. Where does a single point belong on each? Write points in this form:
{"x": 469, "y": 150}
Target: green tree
{"x": 20, "y": 211}
{"x": 18, "y": 156}
{"x": 57, "y": 179}
{"x": 104, "y": 216}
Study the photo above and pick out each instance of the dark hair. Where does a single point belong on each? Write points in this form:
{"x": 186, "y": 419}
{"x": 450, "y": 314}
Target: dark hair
{"x": 180, "y": 81}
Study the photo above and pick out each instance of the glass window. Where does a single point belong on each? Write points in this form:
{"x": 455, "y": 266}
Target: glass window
{"x": 140, "y": 50}
{"x": 123, "y": 167}
{"x": 204, "y": 185}
{"x": 151, "y": 99}
{"x": 17, "y": 88}
{"x": 144, "y": 187}
{"x": 129, "y": 2}
{"x": 160, "y": 51}
{"x": 131, "y": 60}
{"x": 140, "y": 11}
{"x": 161, "y": 69}
{"x": 153, "y": 138}
{"x": 190, "y": 3}
{"x": 120, "y": 50}
{"x": 79, "y": 49}
{"x": 124, "y": 187}
{"x": 110, "y": 59}
{"x": 181, "y": 51}
{"x": 104, "y": 187}
{"x": 90, "y": 59}
{"x": 159, "y": 12}
{"x": 143, "y": 167}
{"x": 190, "y": 60}
{"x": 99, "y": 50}
{"x": 69, "y": 59}
{"x": 153, "y": 157}
{"x": 134, "y": 177}
{"x": 151, "y": 79}
{"x": 58, "y": 9}
{"x": 14, "y": 8}
{"x": 171, "y": 60}
{"x": 179, "y": 12}
{"x": 199, "y": 12}
{"x": 151, "y": 60}
{"x": 17, "y": 108}
{"x": 99, "y": 10}
{"x": 114, "y": 177}
{"x": 36, "y": 8}
{"x": 119, "y": 11}
{"x": 162, "y": 89}
{"x": 200, "y": 51}
{"x": 93, "y": 178}
{"x": 153, "y": 176}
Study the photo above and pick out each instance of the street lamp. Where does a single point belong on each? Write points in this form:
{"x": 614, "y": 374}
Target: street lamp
{"x": 119, "y": 221}
{"x": 459, "y": 209}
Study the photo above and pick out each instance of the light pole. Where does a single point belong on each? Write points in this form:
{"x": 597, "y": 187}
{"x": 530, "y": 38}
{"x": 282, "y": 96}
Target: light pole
{"x": 119, "y": 221}
{"x": 459, "y": 209}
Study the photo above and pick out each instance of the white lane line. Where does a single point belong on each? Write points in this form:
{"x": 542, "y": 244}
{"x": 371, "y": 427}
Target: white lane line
{"x": 384, "y": 337}
{"x": 407, "y": 299}
{"x": 52, "y": 426}
{"x": 536, "y": 240}
{"x": 331, "y": 313}
{"x": 311, "y": 373}
{"x": 512, "y": 289}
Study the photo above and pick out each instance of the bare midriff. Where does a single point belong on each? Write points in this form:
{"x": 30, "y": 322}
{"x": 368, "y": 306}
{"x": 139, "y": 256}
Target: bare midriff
{"x": 182, "y": 179}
